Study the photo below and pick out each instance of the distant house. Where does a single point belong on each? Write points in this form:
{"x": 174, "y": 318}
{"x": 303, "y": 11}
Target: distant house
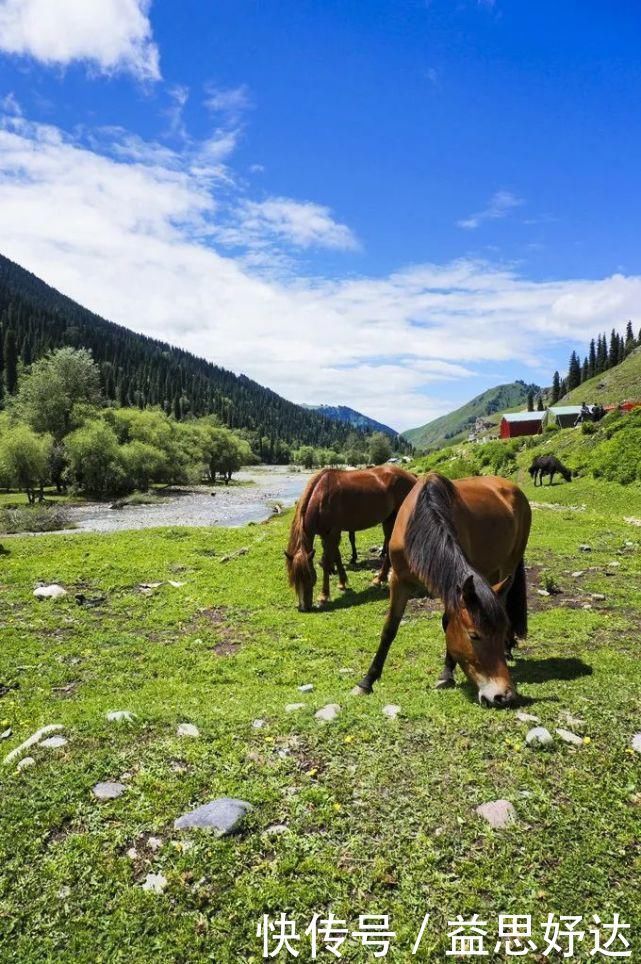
{"x": 567, "y": 416}
{"x": 521, "y": 423}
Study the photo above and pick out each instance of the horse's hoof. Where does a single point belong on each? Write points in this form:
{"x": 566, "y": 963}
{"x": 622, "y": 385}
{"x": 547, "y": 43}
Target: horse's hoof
{"x": 323, "y": 601}
{"x": 343, "y": 587}
{"x": 360, "y": 691}
{"x": 445, "y": 683}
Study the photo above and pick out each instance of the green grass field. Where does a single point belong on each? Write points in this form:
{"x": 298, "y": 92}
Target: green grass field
{"x": 379, "y": 812}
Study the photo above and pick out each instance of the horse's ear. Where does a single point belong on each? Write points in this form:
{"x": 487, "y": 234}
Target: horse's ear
{"x": 288, "y": 555}
{"x": 312, "y": 553}
{"x": 501, "y": 589}
{"x": 468, "y": 592}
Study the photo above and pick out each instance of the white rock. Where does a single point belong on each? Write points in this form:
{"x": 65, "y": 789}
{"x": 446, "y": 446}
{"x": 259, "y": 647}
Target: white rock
{"x": 538, "y": 736}
{"x": 35, "y": 738}
{"x": 6, "y": 734}
{"x": 155, "y": 883}
{"x": 527, "y": 717}
{"x": 498, "y": 813}
{"x": 569, "y": 737}
{"x": 391, "y": 710}
{"x": 578, "y": 573}
{"x": 258, "y": 724}
{"x": 328, "y": 713}
{"x": 27, "y": 761}
{"x": 120, "y": 716}
{"x": 63, "y": 893}
{"x": 345, "y": 671}
{"x": 50, "y": 592}
{"x": 636, "y": 742}
{"x": 223, "y": 816}
{"x": 292, "y": 707}
{"x": 154, "y": 843}
{"x": 132, "y": 853}
{"x": 188, "y": 729}
{"x": 109, "y": 790}
{"x": 277, "y": 828}
{"x": 175, "y": 583}
{"x": 54, "y": 742}
{"x": 543, "y": 592}
{"x": 598, "y": 596}
{"x": 573, "y": 721}
{"x": 306, "y": 688}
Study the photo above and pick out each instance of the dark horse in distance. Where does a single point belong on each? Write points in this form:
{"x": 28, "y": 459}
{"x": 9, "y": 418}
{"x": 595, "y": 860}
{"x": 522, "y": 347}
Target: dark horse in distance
{"x": 548, "y": 465}
{"x": 334, "y": 501}
{"x": 464, "y": 541}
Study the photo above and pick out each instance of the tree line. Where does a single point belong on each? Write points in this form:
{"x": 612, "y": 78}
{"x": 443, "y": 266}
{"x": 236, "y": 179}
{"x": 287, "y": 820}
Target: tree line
{"x": 135, "y": 371}
{"x": 604, "y": 353}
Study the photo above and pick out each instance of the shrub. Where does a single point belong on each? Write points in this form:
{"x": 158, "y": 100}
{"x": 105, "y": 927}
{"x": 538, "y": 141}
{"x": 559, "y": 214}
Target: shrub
{"x": 34, "y": 518}
{"x": 95, "y": 463}
{"x": 24, "y": 460}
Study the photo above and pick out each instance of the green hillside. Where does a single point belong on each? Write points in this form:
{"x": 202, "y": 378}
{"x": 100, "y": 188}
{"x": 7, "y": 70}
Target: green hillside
{"x": 614, "y": 385}
{"x": 452, "y": 428}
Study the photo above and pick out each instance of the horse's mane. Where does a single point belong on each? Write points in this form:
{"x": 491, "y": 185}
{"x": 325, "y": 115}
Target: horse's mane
{"x": 434, "y": 553}
{"x": 297, "y": 534}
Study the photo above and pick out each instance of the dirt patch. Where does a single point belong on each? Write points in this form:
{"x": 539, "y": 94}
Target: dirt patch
{"x": 67, "y": 691}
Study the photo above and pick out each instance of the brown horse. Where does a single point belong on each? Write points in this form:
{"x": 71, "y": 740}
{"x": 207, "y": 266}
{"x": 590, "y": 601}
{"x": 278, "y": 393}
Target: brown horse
{"x": 465, "y": 542}
{"x": 335, "y": 500}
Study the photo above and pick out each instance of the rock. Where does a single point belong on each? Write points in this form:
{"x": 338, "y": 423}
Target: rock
{"x": 54, "y": 591}
{"x": 578, "y": 574}
{"x": 54, "y": 742}
{"x": 132, "y": 853}
{"x": 573, "y": 721}
{"x": 277, "y": 828}
{"x": 542, "y": 592}
{"x": 569, "y": 737}
{"x": 224, "y": 816}
{"x": 597, "y": 596}
{"x": 292, "y": 707}
{"x": 154, "y": 843}
{"x": 188, "y": 729}
{"x": 498, "y": 813}
{"x": 391, "y": 710}
{"x": 636, "y": 742}
{"x": 109, "y": 790}
{"x": 6, "y": 734}
{"x": 585, "y": 548}
{"x": 155, "y": 883}
{"x": 345, "y": 671}
{"x": 120, "y": 716}
{"x": 64, "y": 893}
{"x": 538, "y": 736}
{"x": 27, "y": 761}
{"x": 306, "y": 688}
{"x": 175, "y": 583}
{"x": 258, "y": 724}
{"x": 35, "y": 738}
{"x": 328, "y": 713}
{"x": 527, "y": 717}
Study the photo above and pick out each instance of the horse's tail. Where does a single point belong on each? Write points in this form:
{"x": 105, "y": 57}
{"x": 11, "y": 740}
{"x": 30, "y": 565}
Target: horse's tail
{"x": 516, "y": 602}
{"x": 297, "y": 528}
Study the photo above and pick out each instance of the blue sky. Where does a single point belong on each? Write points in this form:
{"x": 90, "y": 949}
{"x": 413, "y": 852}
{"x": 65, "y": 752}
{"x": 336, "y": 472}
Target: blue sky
{"x": 391, "y": 205}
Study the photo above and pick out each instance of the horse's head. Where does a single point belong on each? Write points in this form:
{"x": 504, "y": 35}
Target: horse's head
{"x": 302, "y": 576}
{"x": 533, "y": 469}
{"x": 567, "y": 474}
{"x": 476, "y": 634}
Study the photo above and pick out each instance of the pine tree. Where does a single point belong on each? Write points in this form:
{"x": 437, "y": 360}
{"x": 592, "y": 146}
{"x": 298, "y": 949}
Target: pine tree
{"x": 613, "y": 354}
{"x": 629, "y": 338}
{"x": 585, "y": 370}
{"x": 530, "y": 401}
{"x": 10, "y": 362}
{"x": 592, "y": 360}
{"x": 574, "y": 372}
{"x": 540, "y": 407}
{"x": 556, "y": 388}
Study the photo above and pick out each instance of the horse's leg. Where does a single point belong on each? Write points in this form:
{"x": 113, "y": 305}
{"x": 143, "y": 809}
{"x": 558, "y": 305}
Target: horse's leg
{"x": 330, "y": 547}
{"x": 352, "y": 539}
{"x": 551, "y": 478}
{"x": 388, "y": 526}
{"x": 342, "y": 575}
{"x": 399, "y": 594}
{"x": 446, "y": 679}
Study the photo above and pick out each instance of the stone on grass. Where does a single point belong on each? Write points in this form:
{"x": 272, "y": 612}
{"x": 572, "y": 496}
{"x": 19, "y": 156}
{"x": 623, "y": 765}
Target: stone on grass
{"x": 188, "y": 729}
{"x": 569, "y": 737}
{"x": 33, "y": 739}
{"x": 175, "y": 583}
{"x": 527, "y": 717}
{"x": 54, "y": 742}
{"x": 132, "y": 853}
{"x": 109, "y": 790}
{"x": 6, "y": 734}
{"x": 277, "y": 828}
{"x": 27, "y": 761}
{"x": 585, "y": 548}
{"x": 154, "y": 843}
{"x": 120, "y": 716}
{"x": 636, "y": 742}
{"x": 574, "y": 721}
{"x": 54, "y": 591}
{"x": 306, "y": 688}
{"x": 258, "y": 724}
{"x": 498, "y": 813}
{"x": 292, "y": 707}
{"x": 155, "y": 883}
{"x": 538, "y": 736}
{"x": 598, "y": 596}
{"x": 223, "y": 816}
{"x": 391, "y": 710}
{"x": 328, "y": 713}
{"x": 578, "y": 573}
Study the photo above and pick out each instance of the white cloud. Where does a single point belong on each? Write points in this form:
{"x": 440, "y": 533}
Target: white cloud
{"x": 126, "y": 229}
{"x": 499, "y": 206}
{"x": 178, "y": 97}
{"x": 301, "y": 223}
{"x": 111, "y": 35}
{"x": 232, "y": 101}
{"x": 9, "y": 105}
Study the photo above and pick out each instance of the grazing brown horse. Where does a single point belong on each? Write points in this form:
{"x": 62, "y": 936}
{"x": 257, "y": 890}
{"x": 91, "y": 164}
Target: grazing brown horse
{"x": 335, "y": 500}
{"x": 465, "y": 542}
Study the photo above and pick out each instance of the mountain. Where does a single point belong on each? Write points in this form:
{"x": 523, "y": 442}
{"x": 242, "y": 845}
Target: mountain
{"x": 341, "y": 413}
{"x": 619, "y": 384}
{"x": 137, "y": 370}
{"x": 455, "y": 427}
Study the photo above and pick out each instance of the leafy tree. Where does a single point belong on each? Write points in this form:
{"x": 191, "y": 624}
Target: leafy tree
{"x": 24, "y": 460}
{"x": 380, "y": 448}
{"x": 95, "y": 464}
{"x": 142, "y": 464}
{"x": 306, "y": 456}
{"x": 60, "y": 382}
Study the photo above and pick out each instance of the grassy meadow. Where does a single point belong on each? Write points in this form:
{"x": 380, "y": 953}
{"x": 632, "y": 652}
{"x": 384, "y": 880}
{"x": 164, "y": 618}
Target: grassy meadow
{"x": 379, "y": 813}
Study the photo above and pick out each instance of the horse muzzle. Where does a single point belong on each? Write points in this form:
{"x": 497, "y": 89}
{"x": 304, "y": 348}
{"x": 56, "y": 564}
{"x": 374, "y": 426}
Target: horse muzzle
{"x": 497, "y": 695}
